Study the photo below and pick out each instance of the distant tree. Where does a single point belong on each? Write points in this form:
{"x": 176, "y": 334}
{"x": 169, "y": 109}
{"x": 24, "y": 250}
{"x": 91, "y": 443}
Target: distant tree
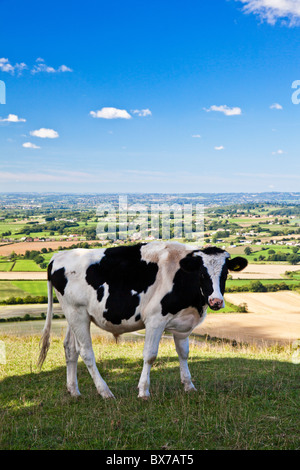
{"x": 247, "y": 250}
{"x": 293, "y": 259}
{"x": 257, "y": 286}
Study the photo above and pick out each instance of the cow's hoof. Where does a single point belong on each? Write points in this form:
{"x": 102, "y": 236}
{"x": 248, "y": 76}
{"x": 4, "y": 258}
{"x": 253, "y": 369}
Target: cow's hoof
{"x": 144, "y": 395}
{"x": 74, "y": 392}
{"x": 189, "y": 388}
{"x": 107, "y": 394}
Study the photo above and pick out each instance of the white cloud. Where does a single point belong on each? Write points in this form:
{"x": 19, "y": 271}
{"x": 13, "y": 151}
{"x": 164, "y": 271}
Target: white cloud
{"x": 6, "y": 66}
{"x": 225, "y": 110}
{"x": 273, "y": 10}
{"x": 111, "y": 113}
{"x": 276, "y": 106}
{"x": 64, "y": 68}
{"x": 220, "y": 147}
{"x": 142, "y": 112}
{"x": 45, "y": 133}
{"x": 29, "y": 145}
{"x": 196, "y": 136}
{"x": 42, "y": 67}
{"x": 278, "y": 152}
{"x": 13, "y": 118}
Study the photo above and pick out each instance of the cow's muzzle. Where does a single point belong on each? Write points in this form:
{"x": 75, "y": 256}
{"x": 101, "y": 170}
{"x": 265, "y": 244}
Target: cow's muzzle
{"x": 216, "y": 304}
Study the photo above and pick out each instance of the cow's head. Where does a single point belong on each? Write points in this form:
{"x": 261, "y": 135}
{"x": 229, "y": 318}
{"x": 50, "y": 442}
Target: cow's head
{"x": 212, "y": 265}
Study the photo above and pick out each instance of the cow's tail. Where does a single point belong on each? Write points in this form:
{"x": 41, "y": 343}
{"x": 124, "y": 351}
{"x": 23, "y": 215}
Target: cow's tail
{"x": 45, "y": 340}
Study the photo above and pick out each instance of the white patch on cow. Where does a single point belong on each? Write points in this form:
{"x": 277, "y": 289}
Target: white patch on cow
{"x": 214, "y": 264}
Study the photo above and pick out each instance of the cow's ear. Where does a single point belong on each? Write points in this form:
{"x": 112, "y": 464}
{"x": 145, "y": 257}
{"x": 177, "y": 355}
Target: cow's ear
{"x": 190, "y": 264}
{"x": 237, "y": 264}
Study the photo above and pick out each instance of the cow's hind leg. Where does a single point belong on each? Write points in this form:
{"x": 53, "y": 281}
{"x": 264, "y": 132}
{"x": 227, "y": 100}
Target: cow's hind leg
{"x": 182, "y": 348}
{"x": 71, "y": 353}
{"x": 80, "y": 325}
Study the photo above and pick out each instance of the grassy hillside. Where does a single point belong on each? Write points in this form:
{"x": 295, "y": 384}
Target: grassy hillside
{"x": 247, "y": 398}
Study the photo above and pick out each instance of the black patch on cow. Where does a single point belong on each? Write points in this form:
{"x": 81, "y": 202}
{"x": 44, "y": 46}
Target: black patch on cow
{"x": 49, "y": 270}
{"x": 237, "y": 264}
{"x": 138, "y": 317}
{"x": 185, "y": 293}
{"x": 223, "y": 278}
{"x": 123, "y": 270}
{"x": 100, "y": 293}
{"x": 212, "y": 250}
{"x": 192, "y": 284}
{"x": 58, "y": 278}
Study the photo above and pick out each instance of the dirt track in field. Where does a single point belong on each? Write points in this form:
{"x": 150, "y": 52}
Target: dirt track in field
{"x": 23, "y": 276}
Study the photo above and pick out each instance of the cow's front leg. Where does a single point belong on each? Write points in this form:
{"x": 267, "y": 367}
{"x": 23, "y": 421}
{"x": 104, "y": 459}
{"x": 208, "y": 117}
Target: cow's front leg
{"x": 152, "y": 339}
{"x": 182, "y": 348}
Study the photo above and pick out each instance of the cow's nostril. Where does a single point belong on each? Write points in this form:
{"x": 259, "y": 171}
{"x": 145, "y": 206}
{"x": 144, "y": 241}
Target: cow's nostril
{"x": 216, "y": 302}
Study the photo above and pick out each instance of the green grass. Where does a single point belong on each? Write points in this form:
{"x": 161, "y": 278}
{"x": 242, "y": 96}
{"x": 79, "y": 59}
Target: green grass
{"x": 48, "y": 256}
{"x": 247, "y": 399}
{"x": 247, "y": 282}
{"x": 32, "y": 287}
{"x": 22, "y": 289}
{"x": 258, "y": 250}
{"x": 24, "y": 265}
{"x": 8, "y": 289}
{"x": 5, "y": 266}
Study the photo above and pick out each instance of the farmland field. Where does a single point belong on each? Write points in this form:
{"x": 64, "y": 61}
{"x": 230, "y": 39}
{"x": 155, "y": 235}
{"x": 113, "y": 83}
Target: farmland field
{"x": 264, "y": 271}
{"x": 7, "y": 289}
{"x": 266, "y": 282}
{"x": 276, "y": 303}
{"x": 21, "y": 247}
{"x": 5, "y": 266}
{"x": 22, "y": 289}
{"x": 26, "y": 265}
{"x": 247, "y": 398}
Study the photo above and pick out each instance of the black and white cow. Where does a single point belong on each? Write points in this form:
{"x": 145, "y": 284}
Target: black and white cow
{"x": 157, "y": 286}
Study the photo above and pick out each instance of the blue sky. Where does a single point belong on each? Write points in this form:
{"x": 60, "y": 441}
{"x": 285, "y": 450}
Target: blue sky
{"x": 160, "y": 96}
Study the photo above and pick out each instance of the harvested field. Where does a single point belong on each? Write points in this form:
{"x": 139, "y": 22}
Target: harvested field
{"x": 21, "y": 247}
{"x": 274, "y": 317}
{"x": 274, "y": 303}
{"x": 264, "y": 271}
